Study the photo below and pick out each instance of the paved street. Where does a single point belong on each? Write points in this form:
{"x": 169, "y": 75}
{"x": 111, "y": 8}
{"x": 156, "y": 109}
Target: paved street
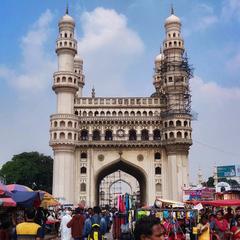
{"x": 108, "y": 236}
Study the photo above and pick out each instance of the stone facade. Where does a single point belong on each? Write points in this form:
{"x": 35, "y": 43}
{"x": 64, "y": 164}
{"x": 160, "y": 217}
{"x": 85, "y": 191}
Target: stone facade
{"x": 146, "y": 137}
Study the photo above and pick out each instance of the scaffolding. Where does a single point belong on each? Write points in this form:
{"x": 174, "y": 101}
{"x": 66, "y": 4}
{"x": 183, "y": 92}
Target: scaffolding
{"x": 177, "y": 94}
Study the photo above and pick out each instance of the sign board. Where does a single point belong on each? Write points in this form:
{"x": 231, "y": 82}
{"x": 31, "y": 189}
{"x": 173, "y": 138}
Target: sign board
{"x": 198, "y": 193}
{"x": 198, "y": 207}
{"x": 226, "y": 171}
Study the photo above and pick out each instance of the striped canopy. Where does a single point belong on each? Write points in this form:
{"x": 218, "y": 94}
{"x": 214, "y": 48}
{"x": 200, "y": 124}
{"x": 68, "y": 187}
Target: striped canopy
{"x": 18, "y": 187}
{"x": 7, "y": 202}
{"x": 3, "y": 190}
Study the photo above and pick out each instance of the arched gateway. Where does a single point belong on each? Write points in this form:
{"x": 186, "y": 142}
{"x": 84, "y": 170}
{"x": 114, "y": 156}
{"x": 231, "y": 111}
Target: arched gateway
{"x": 125, "y": 166}
{"x": 146, "y": 137}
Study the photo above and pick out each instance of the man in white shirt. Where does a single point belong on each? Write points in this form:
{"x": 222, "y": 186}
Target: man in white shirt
{"x": 64, "y": 230}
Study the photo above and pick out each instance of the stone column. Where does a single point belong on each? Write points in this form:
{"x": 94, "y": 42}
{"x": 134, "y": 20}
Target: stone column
{"x": 177, "y": 170}
{"x": 63, "y": 173}
{"x": 150, "y": 185}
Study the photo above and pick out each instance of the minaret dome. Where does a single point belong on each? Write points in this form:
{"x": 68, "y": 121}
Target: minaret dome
{"x": 78, "y": 59}
{"x": 159, "y": 57}
{"x": 67, "y": 19}
{"x": 172, "y": 19}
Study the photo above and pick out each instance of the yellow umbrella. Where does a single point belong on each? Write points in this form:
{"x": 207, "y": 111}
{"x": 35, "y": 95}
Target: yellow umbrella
{"x": 48, "y": 200}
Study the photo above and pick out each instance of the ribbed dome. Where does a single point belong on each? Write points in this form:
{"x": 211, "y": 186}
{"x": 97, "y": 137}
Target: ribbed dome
{"x": 67, "y": 19}
{"x": 159, "y": 57}
{"x": 172, "y": 19}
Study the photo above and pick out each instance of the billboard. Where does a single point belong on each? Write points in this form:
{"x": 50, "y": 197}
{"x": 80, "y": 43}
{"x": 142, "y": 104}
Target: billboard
{"x": 226, "y": 171}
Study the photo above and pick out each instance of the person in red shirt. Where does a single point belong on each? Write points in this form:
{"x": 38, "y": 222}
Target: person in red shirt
{"x": 235, "y": 230}
{"x": 77, "y": 224}
{"x": 220, "y": 226}
{"x": 229, "y": 215}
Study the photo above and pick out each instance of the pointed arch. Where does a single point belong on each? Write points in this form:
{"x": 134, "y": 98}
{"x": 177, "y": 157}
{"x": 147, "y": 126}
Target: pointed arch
{"x": 132, "y": 135}
{"x": 96, "y": 135}
{"x": 156, "y": 134}
{"x": 127, "y": 167}
{"x": 108, "y": 135}
{"x": 144, "y": 135}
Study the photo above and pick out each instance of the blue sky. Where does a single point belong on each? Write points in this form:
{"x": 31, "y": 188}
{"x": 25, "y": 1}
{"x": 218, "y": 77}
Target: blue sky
{"x": 118, "y": 61}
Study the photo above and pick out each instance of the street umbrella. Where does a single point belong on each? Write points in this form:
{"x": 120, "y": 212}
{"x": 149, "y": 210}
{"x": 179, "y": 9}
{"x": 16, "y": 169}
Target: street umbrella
{"x": 3, "y": 190}
{"x": 26, "y": 199}
{"x": 7, "y": 202}
{"x": 48, "y": 200}
{"x": 19, "y": 188}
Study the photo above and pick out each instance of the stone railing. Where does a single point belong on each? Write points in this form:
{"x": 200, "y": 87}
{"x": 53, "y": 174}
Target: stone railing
{"x": 59, "y": 116}
{"x": 120, "y": 118}
{"x": 119, "y": 102}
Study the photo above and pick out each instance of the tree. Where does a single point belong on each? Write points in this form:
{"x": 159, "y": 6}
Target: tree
{"x": 31, "y": 169}
{"x": 209, "y": 183}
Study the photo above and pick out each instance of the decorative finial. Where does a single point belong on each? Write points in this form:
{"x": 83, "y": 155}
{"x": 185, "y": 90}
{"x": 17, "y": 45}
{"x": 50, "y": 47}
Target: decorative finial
{"x": 67, "y": 7}
{"x": 172, "y": 9}
{"x": 93, "y": 92}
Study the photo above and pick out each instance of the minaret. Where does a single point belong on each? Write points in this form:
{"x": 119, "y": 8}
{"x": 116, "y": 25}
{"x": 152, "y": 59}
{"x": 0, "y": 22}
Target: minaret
{"x": 200, "y": 177}
{"x": 215, "y": 177}
{"x": 159, "y": 60}
{"x": 171, "y": 81}
{"x": 64, "y": 123}
{"x": 93, "y": 92}
{"x": 78, "y": 68}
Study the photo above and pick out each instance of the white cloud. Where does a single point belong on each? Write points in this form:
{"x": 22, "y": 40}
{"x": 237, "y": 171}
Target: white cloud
{"x": 233, "y": 64}
{"x": 25, "y": 112}
{"x": 231, "y": 10}
{"x": 203, "y": 18}
{"x": 216, "y": 133}
{"x": 109, "y": 48}
{"x": 206, "y": 22}
{"x": 36, "y": 66}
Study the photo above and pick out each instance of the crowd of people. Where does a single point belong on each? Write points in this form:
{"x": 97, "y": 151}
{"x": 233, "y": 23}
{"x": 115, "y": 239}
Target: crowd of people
{"x": 95, "y": 224}
{"x": 219, "y": 226}
{"x": 65, "y": 224}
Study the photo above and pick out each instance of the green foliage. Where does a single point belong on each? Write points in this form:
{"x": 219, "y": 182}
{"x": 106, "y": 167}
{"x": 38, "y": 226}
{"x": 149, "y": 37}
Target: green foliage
{"x": 31, "y": 169}
{"x": 210, "y": 182}
{"x": 231, "y": 182}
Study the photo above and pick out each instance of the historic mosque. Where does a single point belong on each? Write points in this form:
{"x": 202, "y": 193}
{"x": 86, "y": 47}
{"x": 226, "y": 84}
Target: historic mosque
{"x": 147, "y": 138}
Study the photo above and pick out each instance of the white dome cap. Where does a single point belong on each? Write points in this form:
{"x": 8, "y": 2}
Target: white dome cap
{"x": 159, "y": 57}
{"x": 67, "y": 19}
{"x": 172, "y": 19}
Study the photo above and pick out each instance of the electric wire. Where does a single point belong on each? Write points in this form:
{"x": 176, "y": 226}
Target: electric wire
{"x": 216, "y": 148}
